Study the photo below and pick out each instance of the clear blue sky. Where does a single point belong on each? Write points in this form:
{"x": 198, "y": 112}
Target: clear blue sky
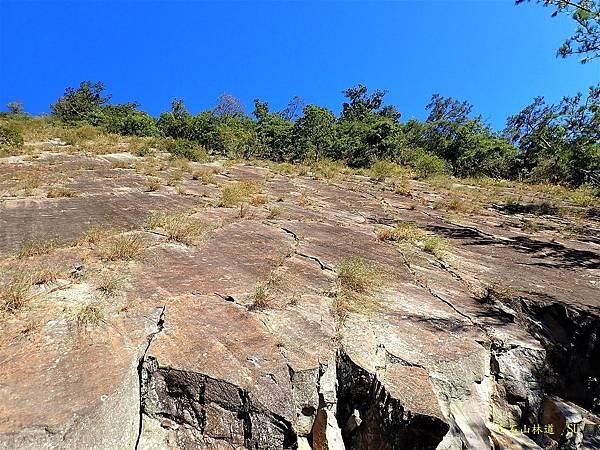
{"x": 494, "y": 54}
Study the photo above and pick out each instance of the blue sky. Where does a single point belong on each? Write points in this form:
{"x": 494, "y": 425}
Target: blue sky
{"x": 494, "y": 54}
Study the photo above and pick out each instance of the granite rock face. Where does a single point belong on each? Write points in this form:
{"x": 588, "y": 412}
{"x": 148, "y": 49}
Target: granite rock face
{"x": 236, "y": 339}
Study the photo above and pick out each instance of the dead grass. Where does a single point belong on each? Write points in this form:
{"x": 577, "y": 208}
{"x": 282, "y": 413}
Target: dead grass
{"x": 409, "y": 232}
{"x": 259, "y": 297}
{"x": 454, "y": 204}
{"x": 205, "y": 175}
{"x": 274, "y": 212}
{"x": 109, "y": 283}
{"x": 90, "y": 315}
{"x": 177, "y": 227}
{"x": 238, "y": 192}
{"x": 356, "y": 278}
{"x": 328, "y": 169}
{"x": 585, "y": 196}
{"x": 13, "y": 296}
{"x": 435, "y": 245}
{"x": 380, "y": 170}
{"x": 44, "y": 275}
{"x": 61, "y": 191}
{"x": 125, "y": 247}
{"x": 153, "y": 184}
{"x": 36, "y": 247}
{"x": 95, "y": 235}
{"x": 259, "y": 200}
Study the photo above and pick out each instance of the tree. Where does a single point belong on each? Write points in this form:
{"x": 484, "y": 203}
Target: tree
{"x": 559, "y": 142}
{"x": 127, "y": 119}
{"x": 81, "y": 104}
{"x": 293, "y": 109}
{"x": 585, "y": 41}
{"x": 360, "y": 104}
{"x": 273, "y": 133}
{"x": 228, "y": 106}
{"x": 314, "y": 134}
{"x": 15, "y": 107}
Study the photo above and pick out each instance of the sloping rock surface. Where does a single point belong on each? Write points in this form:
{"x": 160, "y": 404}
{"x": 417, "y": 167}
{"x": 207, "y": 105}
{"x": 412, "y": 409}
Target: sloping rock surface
{"x": 236, "y": 339}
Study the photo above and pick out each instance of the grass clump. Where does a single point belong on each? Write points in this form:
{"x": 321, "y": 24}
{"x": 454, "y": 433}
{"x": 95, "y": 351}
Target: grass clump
{"x": 61, "y": 191}
{"x": 259, "y": 296}
{"x": 238, "y": 192}
{"x": 435, "y": 245}
{"x": 452, "y": 204}
{"x": 44, "y": 275}
{"x": 356, "y": 278}
{"x": 153, "y": 185}
{"x": 403, "y": 232}
{"x": 328, "y": 168}
{"x": 274, "y": 212}
{"x": 13, "y": 295}
{"x": 182, "y": 148}
{"x": 585, "y": 195}
{"x": 95, "y": 235}
{"x": 10, "y": 139}
{"x": 125, "y": 247}
{"x": 89, "y": 315}
{"x": 37, "y": 247}
{"x": 206, "y": 176}
{"x": 178, "y": 227}
{"x": 109, "y": 283}
{"x": 380, "y": 170}
{"x": 410, "y": 233}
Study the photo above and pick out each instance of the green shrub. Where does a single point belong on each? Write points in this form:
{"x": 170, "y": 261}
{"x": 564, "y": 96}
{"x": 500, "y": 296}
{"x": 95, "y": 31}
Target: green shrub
{"x": 10, "y": 138}
{"x": 423, "y": 162}
{"x": 127, "y": 120}
{"x": 185, "y": 149}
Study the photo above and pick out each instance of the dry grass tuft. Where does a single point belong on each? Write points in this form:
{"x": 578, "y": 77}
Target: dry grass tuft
{"x": 153, "y": 184}
{"x": 61, "y": 191}
{"x": 238, "y": 192}
{"x": 274, "y": 212}
{"x": 89, "y": 315}
{"x": 109, "y": 283}
{"x": 258, "y": 200}
{"x": 260, "y": 297}
{"x": 45, "y": 275}
{"x": 205, "y": 175}
{"x": 37, "y": 247}
{"x": 178, "y": 227}
{"x": 412, "y": 234}
{"x": 356, "y": 278}
{"x": 125, "y": 247}
{"x": 95, "y": 235}
{"x": 13, "y": 296}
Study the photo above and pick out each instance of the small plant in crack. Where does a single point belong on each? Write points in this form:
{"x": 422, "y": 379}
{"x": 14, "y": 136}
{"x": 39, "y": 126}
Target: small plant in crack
{"x": 356, "y": 279}
{"x": 260, "y": 296}
{"x": 61, "y": 191}
{"x": 408, "y": 232}
{"x": 273, "y": 212}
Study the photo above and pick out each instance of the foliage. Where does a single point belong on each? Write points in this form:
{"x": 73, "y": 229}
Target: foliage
{"x": 15, "y": 107}
{"x": 559, "y": 142}
{"x": 80, "y": 104}
{"x": 10, "y": 138}
{"x": 549, "y": 143}
{"x": 585, "y": 41}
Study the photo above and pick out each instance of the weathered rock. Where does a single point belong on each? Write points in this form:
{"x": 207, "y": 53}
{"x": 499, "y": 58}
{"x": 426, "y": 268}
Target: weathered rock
{"x": 185, "y": 357}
